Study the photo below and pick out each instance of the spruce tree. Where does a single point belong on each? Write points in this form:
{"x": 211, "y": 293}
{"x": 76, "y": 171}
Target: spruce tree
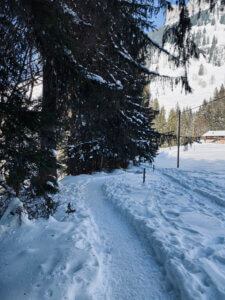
{"x": 186, "y": 122}
{"x": 160, "y": 121}
{"x": 111, "y": 124}
{"x": 91, "y": 58}
{"x": 172, "y": 121}
{"x": 201, "y": 70}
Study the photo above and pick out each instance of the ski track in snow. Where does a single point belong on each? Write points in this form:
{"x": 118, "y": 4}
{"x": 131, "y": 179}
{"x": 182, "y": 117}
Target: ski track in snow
{"x": 132, "y": 272}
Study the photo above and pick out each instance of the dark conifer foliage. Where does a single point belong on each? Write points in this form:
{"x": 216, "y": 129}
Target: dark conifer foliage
{"x": 113, "y": 125}
{"x": 90, "y": 56}
{"x": 21, "y": 154}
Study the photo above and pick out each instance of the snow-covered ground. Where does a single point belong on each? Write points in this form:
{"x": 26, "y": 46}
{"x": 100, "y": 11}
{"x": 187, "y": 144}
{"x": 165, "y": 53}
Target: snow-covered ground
{"x": 209, "y": 157}
{"x": 164, "y": 239}
{"x": 50, "y": 259}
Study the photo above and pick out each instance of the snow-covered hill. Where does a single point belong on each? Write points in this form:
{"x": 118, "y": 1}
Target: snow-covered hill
{"x": 204, "y": 74}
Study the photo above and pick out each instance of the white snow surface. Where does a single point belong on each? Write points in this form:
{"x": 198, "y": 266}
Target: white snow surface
{"x": 215, "y": 133}
{"x": 206, "y": 156}
{"x": 50, "y": 259}
{"x": 163, "y": 239}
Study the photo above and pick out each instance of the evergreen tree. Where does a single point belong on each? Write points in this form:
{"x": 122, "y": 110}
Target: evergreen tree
{"x": 160, "y": 121}
{"x": 222, "y": 91}
{"x": 155, "y": 104}
{"x": 200, "y": 126}
{"x": 172, "y": 121}
{"x": 201, "y": 70}
{"x": 186, "y": 122}
{"x": 113, "y": 130}
{"x": 212, "y": 48}
{"x": 213, "y": 22}
{"x": 204, "y": 41}
{"x": 172, "y": 124}
{"x": 222, "y": 19}
{"x": 91, "y": 58}
{"x": 217, "y": 110}
{"x": 20, "y": 150}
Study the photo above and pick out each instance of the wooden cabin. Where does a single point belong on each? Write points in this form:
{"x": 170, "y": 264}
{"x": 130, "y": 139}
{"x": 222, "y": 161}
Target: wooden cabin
{"x": 215, "y": 136}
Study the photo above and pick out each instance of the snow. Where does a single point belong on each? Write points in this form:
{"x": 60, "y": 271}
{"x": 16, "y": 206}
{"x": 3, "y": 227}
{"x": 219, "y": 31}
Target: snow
{"x": 76, "y": 18}
{"x": 144, "y": 68}
{"x": 163, "y": 239}
{"x": 133, "y": 272}
{"x": 49, "y": 259}
{"x": 202, "y": 86}
{"x": 215, "y": 133}
{"x": 100, "y": 80}
{"x": 96, "y": 78}
{"x": 181, "y": 215}
{"x": 68, "y": 10}
{"x": 54, "y": 152}
{"x": 206, "y": 156}
{"x": 37, "y": 89}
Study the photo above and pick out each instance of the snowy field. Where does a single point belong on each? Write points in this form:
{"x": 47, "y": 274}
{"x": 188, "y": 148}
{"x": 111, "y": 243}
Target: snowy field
{"x": 208, "y": 157}
{"x": 164, "y": 239}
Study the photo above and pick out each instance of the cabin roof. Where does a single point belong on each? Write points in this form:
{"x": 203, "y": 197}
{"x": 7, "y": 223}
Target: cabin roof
{"x": 215, "y": 133}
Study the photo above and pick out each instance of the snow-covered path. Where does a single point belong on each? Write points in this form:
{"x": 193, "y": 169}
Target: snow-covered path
{"x": 107, "y": 249}
{"x": 182, "y": 215}
{"x": 131, "y": 269}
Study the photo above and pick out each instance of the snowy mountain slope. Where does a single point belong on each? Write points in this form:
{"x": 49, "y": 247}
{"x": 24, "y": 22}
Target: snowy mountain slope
{"x": 193, "y": 6}
{"x": 204, "y": 74}
{"x": 109, "y": 248}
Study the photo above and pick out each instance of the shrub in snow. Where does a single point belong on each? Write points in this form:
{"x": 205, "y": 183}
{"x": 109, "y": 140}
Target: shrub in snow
{"x": 222, "y": 19}
{"x": 15, "y": 213}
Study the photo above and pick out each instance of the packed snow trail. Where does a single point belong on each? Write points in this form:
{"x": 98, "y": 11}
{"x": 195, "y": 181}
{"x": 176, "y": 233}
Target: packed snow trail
{"x": 132, "y": 270}
{"x": 182, "y": 216}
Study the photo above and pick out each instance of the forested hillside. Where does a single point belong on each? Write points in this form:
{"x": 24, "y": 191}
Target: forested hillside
{"x": 210, "y": 115}
{"x": 205, "y": 73}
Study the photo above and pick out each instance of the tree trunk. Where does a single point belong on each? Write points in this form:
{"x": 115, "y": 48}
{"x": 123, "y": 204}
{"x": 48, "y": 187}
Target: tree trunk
{"x": 48, "y": 130}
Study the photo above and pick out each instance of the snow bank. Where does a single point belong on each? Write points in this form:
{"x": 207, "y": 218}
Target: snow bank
{"x": 50, "y": 259}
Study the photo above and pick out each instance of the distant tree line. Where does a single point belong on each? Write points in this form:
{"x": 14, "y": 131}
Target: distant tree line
{"x": 209, "y": 116}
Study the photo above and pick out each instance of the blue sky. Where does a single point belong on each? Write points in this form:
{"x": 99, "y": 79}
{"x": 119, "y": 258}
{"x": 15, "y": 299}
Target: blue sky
{"x": 161, "y": 17}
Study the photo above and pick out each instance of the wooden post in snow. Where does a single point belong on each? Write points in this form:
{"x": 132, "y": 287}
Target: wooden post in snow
{"x": 144, "y": 175}
{"x": 178, "y": 140}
